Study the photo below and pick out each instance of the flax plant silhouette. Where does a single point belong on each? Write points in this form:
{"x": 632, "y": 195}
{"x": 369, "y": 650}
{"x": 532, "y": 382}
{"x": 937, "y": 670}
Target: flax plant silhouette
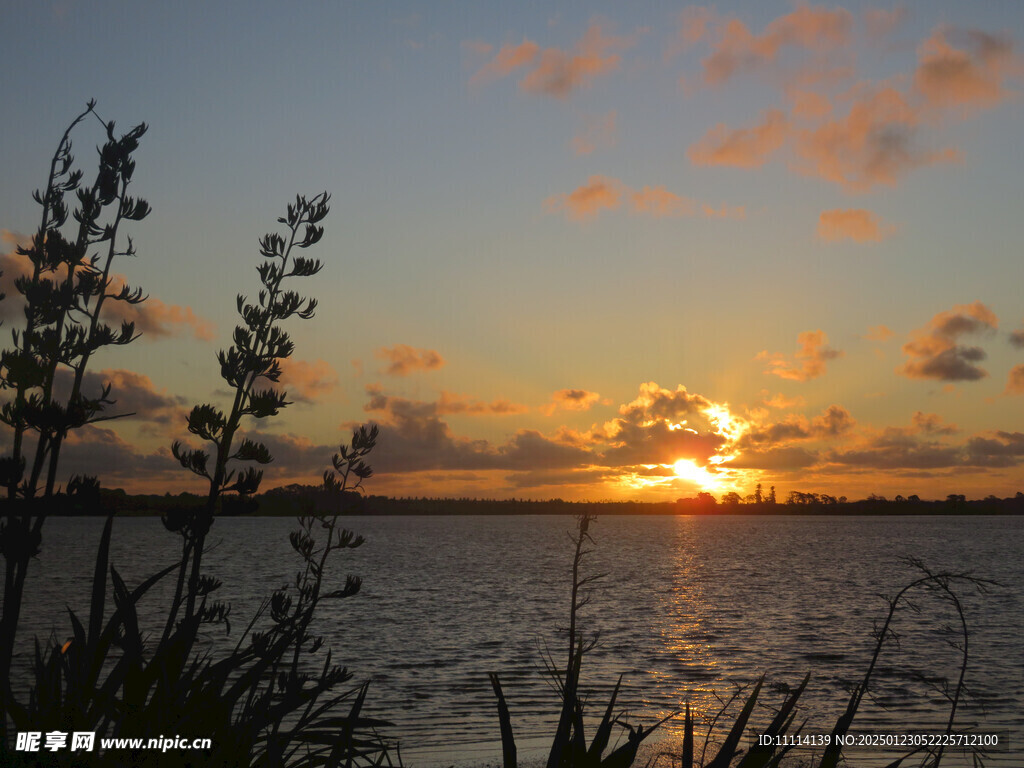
{"x": 253, "y": 359}
{"x": 263, "y": 703}
{"x": 64, "y": 298}
{"x": 266, "y": 703}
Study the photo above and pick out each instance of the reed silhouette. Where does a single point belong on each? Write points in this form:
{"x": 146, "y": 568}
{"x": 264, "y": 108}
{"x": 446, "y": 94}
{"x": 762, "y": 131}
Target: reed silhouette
{"x": 570, "y": 748}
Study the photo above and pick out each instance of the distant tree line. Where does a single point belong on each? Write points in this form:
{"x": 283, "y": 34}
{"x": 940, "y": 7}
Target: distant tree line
{"x": 315, "y": 499}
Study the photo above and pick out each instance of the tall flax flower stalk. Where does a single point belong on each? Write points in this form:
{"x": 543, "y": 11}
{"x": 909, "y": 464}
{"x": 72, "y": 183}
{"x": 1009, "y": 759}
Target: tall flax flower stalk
{"x": 64, "y": 292}
{"x": 249, "y": 366}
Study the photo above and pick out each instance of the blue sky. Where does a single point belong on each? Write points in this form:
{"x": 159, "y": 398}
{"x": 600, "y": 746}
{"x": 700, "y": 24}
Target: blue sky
{"x": 566, "y": 202}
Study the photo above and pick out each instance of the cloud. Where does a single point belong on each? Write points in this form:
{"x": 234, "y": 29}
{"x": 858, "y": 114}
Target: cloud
{"x": 1015, "y": 381}
{"x": 809, "y": 361}
{"x": 1002, "y": 449}
{"x": 855, "y": 224}
{"x": 662, "y": 426}
{"x": 454, "y": 403}
{"x": 602, "y": 193}
{"x": 447, "y": 404}
{"x": 809, "y": 105}
{"x": 153, "y": 318}
{"x": 659, "y": 427}
{"x": 931, "y": 424}
{"x": 571, "y": 400}
{"x": 101, "y": 452}
{"x": 1017, "y": 338}
{"x": 405, "y": 359}
{"x": 306, "y": 381}
{"x": 135, "y": 396}
{"x": 743, "y": 147}
{"x": 599, "y": 133}
{"x": 780, "y": 401}
{"x": 553, "y": 71}
{"x": 870, "y": 133}
{"x": 658, "y": 202}
{"x": 558, "y": 73}
{"x": 507, "y": 60}
{"x": 736, "y": 50}
{"x": 933, "y": 351}
{"x": 776, "y": 459}
{"x": 831, "y": 423}
{"x": 875, "y": 142}
{"x": 895, "y": 449}
{"x": 586, "y": 202}
{"x": 922, "y": 449}
{"x": 415, "y": 438}
{"x": 969, "y": 77}
{"x": 879, "y": 333}
{"x": 157, "y": 320}
{"x": 13, "y": 265}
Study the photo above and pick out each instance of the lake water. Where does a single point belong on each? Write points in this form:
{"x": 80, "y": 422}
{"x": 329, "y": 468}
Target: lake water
{"x": 690, "y": 608}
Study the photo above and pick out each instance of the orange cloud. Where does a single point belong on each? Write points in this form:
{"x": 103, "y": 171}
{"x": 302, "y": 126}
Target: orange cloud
{"x": 809, "y": 361}
{"x": 153, "y": 318}
{"x": 405, "y": 359}
{"x": 1015, "y": 382}
{"x": 875, "y": 142}
{"x": 931, "y": 424}
{"x": 559, "y": 73}
{"x": 971, "y": 76}
{"x": 157, "y": 320}
{"x": 571, "y": 400}
{"x": 418, "y": 439}
{"x": 743, "y": 147}
{"x": 508, "y": 59}
{"x": 454, "y": 403}
{"x": 658, "y": 202}
{"x": 13, "y": 265}
{"x": 835, "y": 421}
{"x": 662, "y": 426}
{"x": 603, "y": 193}
{"x": 780, "y": 401}
{"x": 806, "y": 28}
{"x": 553, "y": 71}
{"x": 307, "y": 381}
{"x": 134, "y": 395}
{"x": 598, "y": 133}
{"x": 879, "y": 333}
{"x": 934, "y": 352}
{"x": 586, "y": 202}
{"x": 875, "y": 138}
{"x": 853, "y": 224}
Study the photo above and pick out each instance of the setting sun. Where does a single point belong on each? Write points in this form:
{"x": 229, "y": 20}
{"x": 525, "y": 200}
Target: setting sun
{"x": 687, "y": 469}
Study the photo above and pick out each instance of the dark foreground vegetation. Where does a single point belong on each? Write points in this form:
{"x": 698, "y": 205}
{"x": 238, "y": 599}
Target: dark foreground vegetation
{"x": 278, "y": 697}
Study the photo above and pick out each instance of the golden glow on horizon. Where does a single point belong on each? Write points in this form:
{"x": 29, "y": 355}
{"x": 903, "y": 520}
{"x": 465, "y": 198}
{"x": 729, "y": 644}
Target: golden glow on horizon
{"x": 687, "y": 469}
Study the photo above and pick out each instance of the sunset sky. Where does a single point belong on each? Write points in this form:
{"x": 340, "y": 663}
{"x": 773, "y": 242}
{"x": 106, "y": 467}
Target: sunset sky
{"x": 587, "y": 250}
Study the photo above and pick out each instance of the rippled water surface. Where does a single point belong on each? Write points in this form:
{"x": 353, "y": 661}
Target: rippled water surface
{"x": 690, "y": 607}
